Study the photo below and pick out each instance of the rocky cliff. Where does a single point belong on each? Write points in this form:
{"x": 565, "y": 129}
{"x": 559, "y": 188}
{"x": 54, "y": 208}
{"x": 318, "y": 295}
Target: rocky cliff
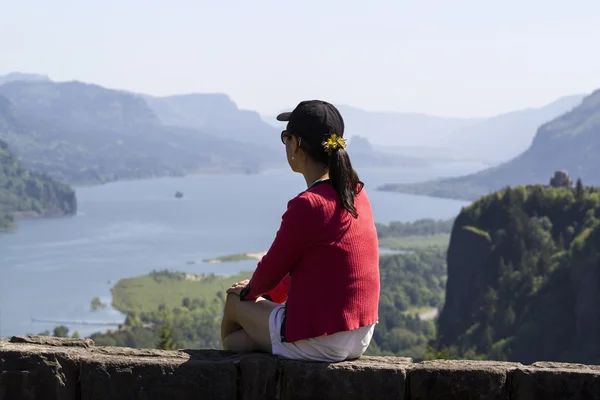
{"x": 63, "y": 369}
{"x": 523, "y": 277}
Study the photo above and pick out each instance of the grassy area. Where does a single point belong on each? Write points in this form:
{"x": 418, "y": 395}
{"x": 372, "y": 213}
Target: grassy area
{"x": 146, "y": 293}
{"x": 232, "y": 258}
{"x": 417, "y": 242}
{"x": 418, "y": 310}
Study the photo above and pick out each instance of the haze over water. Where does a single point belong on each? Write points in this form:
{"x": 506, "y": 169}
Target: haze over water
{"x": 51, "y": 269}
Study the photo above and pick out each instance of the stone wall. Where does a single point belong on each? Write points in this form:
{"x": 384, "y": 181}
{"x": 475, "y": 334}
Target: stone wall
{"x": 37, "y": 367}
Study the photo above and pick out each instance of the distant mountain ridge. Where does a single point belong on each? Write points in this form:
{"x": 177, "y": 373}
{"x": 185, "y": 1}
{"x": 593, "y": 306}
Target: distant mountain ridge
{"x": 490, "y": 140}
{"x": 215, "y": 113}
{"x": 570, "y": 142}
{"x": 505, "y": 136}
{"x": 394, "y": 129}
{"x": 20, "y": 76}
{"x": 79, "y": 104}
{"x": 83, "y": 133}
{"x": 363, "y": 153}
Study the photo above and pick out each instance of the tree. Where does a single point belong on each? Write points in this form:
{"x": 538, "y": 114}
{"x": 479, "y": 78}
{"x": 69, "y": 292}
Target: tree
{"x": 185, "y": 302}
{"x": 579, "y": 191}
{"x": 166, "y": 341}
{"x": 61, "y": 331}
{"x": 97, "y": 304}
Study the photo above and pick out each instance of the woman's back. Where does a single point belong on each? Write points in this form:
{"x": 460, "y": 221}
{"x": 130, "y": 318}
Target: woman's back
{"x": 334, "y": 283}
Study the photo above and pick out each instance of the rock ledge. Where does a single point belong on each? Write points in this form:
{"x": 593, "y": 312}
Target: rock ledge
{"x": 37, "y": 367}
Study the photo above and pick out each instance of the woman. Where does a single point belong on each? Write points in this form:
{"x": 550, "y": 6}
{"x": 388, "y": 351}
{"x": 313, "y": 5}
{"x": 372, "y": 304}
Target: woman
{"x": 314, "y": 295}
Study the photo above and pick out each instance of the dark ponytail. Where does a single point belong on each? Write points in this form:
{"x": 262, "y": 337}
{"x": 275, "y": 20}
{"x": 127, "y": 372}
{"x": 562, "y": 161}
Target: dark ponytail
{"x": 342, "y": 176}
{"x": 344, "y": 179}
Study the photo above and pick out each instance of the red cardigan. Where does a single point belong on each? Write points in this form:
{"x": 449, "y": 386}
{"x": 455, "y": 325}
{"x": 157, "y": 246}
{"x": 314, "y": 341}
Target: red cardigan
{"x": 324, "y": 262}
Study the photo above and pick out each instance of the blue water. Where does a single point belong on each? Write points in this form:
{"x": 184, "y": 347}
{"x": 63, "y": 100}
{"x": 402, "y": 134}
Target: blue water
{"x": 52, "y": 268}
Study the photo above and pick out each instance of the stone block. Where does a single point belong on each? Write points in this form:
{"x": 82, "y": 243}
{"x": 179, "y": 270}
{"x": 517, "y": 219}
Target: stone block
{"x": 159, "y": 375}
{"x": 555, "y": 381}
{"x": 459, "y": 380}
{"x": 379, "y": 378}
{"x": 41, "y": 376}
{"x": 258, "y": 377}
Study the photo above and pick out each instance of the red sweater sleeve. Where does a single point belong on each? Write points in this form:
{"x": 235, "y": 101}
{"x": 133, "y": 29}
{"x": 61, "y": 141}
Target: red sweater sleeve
{"x": 295, "y": 235}
{"x": 279, "y": 294}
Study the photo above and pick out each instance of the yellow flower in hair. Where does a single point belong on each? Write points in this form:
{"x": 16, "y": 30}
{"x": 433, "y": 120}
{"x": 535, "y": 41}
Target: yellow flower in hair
{"x": 334, "y": 142}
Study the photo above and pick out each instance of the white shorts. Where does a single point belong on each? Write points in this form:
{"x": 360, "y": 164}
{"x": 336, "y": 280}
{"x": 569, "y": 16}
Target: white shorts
{"x": 340, "y": 346}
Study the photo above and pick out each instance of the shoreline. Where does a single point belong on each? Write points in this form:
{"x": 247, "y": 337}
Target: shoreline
{"x": 208, "y": 172}
{"x": 32, "y": 216}
{"x": 248, "y": 256}
{"x": 23, "y": 215}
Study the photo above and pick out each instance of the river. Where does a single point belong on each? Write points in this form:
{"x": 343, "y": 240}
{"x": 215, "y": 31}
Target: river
{"x": 52, "y": 268}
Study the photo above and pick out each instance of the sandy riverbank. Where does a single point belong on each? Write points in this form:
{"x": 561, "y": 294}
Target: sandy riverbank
{"x": 237, "y": 257}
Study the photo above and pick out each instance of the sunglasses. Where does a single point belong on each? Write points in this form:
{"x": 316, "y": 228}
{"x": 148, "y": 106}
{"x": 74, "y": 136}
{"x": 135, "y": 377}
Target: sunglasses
{"x": 284, "y": 136}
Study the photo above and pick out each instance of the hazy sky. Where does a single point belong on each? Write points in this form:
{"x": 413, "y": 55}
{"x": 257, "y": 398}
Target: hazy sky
{"x": 446, "y": 57}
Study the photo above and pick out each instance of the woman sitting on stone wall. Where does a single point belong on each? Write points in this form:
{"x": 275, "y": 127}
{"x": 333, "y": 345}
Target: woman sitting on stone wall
{"x": 314, "y": 295}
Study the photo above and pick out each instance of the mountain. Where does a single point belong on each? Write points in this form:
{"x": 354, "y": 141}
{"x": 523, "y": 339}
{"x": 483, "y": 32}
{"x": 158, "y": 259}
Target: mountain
{"x": 219, "y": 115}
{"x": 570, "y": 142}
{"x": 363, "y": 154}
{"x": 84, "y": 133}
{"x": 25, "y": 193}
{"x": 20, "y": 76}
{"x": 216, "y": 114}
{"x": 503, "y": 137}
{"x": 400, "y": 129}
{"x": 523, "y": 277}
{"x": 490, "y": 140}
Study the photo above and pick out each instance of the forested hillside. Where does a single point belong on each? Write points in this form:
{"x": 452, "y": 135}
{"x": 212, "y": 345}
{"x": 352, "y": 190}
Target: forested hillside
{"x": 409, "y": 282}
{"x": 24, "y": 192}
{"x": 524, "y": 277}
{"x": 414, "y": 235}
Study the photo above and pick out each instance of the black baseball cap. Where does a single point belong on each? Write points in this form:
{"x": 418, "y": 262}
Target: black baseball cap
{"x": 313, "y": 120}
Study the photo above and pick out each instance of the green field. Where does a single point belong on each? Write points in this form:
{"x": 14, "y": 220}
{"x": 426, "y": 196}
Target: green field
{"x": 416, "y": 242}
{"x": 419, "y": 310}
{"x": 146, "y": 293}
{"x": 231, "y": 258}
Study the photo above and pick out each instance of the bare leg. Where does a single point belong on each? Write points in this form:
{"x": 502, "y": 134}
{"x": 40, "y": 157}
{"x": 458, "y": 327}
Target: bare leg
{"x": 240, "y": 341}
{"x": 250, "y": 316}
{"x": 228, "y": 324}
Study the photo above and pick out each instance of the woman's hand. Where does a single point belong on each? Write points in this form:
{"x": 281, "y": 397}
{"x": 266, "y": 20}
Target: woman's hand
{"x": 236, "y": 288}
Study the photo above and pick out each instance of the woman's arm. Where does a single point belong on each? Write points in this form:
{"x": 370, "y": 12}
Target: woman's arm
{"x": 296, "y": 233}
